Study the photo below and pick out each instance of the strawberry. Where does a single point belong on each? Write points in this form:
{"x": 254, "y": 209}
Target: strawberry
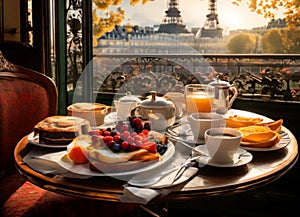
{"x": 149, "y": 146}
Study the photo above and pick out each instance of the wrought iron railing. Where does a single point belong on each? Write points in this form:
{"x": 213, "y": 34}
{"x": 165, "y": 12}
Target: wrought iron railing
{"x": 275, "y": 75}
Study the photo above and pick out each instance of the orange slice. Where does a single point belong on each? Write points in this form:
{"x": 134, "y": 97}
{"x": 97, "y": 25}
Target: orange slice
{"x": 78, "y": 155}
{"x": 274, "y": 125}
{"x": 239, "y": 121}
{"x": 259, "y": 136}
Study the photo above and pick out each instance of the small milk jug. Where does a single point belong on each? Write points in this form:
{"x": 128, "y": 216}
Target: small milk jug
{"x": 225, "y": 94}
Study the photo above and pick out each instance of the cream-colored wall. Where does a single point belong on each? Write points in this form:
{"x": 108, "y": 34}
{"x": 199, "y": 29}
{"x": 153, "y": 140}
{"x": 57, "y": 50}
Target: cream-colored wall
{"x": 11, "y": 19}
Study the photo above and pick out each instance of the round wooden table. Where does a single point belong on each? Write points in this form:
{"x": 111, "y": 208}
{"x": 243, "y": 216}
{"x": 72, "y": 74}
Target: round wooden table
{"x": 265, "y": 167}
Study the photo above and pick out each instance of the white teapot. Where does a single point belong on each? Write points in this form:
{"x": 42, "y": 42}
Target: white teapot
{"x": 160, "y": 111}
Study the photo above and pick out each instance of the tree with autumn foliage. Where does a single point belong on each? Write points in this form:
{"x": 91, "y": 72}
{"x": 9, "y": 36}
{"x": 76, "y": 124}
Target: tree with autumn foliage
{"x": 242, "y": 43}
{"x": 285, "y": 41}
{"x": 268, "y": 8}
{"x": 107, "y": 14}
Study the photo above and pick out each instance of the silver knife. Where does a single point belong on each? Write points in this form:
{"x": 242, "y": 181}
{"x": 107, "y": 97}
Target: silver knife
{"x": 187, "y": 163}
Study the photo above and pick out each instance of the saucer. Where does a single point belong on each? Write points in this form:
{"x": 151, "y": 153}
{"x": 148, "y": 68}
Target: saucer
{"x": 240, "y": 158}
{"x": 182, "y": 132}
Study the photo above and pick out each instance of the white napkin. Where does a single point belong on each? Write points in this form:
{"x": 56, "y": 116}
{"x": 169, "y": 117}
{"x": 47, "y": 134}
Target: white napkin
{"x": 142, "y": 195}
{"x": 145, "y": 193}
{"x": 138, "y": 195}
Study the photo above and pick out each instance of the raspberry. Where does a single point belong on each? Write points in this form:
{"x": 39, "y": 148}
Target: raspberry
{"x": 106, "y": 133}
{"x": 137, "y": 138}
{"x": 130, "y": 140}
{"x": 110, "y": 144}
{"x": 124, "y": 145}
{"x": 125, "y": 135}
{"x": 138, "y": 143}
{"x": 95, "y": 138}
{"x": 145, "y": 132}
{"x": 133, "y": 134}
{"x": 95, "y": 132}
{"x": 107, "y": 139}
{"x": 132, "y": 147}
{"x": 124, "y": 128}
{"x": 116, "y": 138}
{"x": 119, "y": 125}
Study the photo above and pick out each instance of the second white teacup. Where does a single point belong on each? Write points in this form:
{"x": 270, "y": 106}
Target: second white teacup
{"x": 200, "y": 122}
{"x": 222, "y": 144}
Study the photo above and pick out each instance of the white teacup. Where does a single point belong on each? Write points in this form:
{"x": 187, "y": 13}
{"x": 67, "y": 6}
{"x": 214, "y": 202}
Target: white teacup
{"x": 93, "y": 112}
{"x": 222, "y": 144}
{"x": 200, "y": 122}
{"x": 178, "y": 99}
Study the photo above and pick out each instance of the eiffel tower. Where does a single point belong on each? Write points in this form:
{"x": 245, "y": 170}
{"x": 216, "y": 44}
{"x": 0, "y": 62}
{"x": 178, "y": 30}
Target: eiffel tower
{"x": 211, "y": 27}
{"x": 172, "y": 22}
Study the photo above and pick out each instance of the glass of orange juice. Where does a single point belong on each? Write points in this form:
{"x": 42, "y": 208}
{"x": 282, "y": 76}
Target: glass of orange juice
{"x": 199, "y": 98}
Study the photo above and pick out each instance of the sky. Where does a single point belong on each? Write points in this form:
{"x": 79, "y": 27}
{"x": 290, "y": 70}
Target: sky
{"x": 193, "y": 13}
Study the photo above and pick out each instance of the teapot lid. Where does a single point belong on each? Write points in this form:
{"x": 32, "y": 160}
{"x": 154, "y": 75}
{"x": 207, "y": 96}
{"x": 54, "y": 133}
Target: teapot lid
{"x": 156, "y": 101}
{"x": 129, "y": 98}
{"x": 220, "y": 83}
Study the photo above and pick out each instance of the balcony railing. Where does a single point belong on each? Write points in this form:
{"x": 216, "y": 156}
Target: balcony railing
{"x": 257, "y": 74}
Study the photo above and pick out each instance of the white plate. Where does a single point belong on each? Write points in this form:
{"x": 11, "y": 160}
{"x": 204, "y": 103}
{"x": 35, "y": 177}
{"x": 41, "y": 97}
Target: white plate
{"x": 284, "y": 141}
{"x": 182, "y": 132}
{"x": 83, "y": 169}
{"x": 241, "y": 157}
{"x": 35, "y": 141}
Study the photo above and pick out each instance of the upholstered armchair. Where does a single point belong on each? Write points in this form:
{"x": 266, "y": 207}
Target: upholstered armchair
{"x": 27, "y": 97}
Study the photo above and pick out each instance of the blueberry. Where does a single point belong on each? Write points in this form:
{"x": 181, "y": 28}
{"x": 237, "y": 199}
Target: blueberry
{"x": 116, "y": 147}
{"x": 159, "y": 148}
